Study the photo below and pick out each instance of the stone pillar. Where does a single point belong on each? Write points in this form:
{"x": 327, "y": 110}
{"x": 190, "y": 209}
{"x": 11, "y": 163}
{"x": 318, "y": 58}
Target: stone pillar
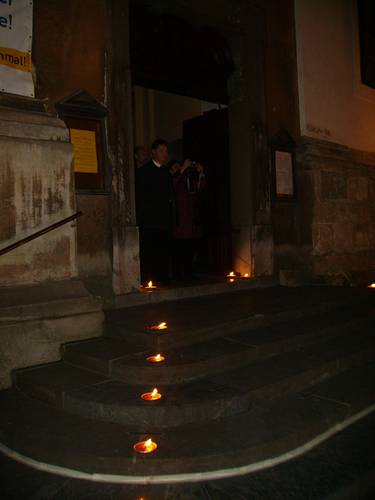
{"x": 250, "y": 170}
{"x": 126, "y": 275}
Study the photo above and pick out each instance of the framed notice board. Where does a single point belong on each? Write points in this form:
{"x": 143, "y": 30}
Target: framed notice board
{"x": 84, "y": 116}
{"x": 85, "y": 135}
{"x": 283, "y": 167}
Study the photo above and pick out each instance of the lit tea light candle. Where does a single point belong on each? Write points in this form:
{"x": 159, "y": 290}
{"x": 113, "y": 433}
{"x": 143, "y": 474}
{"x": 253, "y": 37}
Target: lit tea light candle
{"x": 151, "y": 396}
{"x": 157, "y": 358}
{"x": 145, "y": 446}
{"x": 160, "y": 326}
{"x": 246, "y": 275}
{"x": 150, "y": 286}
{"x": 231, "y": 275}
{"x": 372, "y": 285}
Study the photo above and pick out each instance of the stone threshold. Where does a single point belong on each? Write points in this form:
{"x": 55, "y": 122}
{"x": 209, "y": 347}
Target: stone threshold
{"x": 166, "y": 294}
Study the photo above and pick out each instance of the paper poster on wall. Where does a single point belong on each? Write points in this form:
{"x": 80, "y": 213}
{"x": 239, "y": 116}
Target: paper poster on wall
{"x": 85, "y": 156}
{"x": 16, "y": 26}
{"x": 284, "y": 173}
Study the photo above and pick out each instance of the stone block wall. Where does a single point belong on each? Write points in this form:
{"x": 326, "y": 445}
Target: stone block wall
{"x": 42, "y": 303}
{"x": 343, "y": 209}
{"x": 36, "y": 190}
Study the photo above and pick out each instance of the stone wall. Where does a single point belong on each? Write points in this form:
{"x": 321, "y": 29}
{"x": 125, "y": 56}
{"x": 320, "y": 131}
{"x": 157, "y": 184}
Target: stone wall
{"x": 69, "y": 48}
{"x": 62, "y": 69}
{"x": 343, "y": 208}
{"x": 35, "y": 192}
{"x": 42, "y": 304}
{"x": 334, "y": 105}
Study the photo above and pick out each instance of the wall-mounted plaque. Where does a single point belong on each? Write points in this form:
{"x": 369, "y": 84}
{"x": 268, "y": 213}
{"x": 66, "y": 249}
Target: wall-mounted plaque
{"x": 85, "y": 154}
{"x": 284, "y": 173}
{"x": 85, "y": 135}
{"x": 282, "y": 164}
{"x": 84, "y": 115}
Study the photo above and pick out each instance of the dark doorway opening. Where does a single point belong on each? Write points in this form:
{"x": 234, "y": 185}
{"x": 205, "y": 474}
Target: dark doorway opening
{"x": 205, "y": 139}
{"x": 175, "y": 57}
{"x": 197, "y": 130}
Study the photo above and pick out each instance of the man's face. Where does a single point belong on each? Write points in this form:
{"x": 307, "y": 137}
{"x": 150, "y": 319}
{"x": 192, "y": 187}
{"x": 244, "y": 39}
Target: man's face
{"x": 142, "y": 155}
{"x": 160, "y": 154}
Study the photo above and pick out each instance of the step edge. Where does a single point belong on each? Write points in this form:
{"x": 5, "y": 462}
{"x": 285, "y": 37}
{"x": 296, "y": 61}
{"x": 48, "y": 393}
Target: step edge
{"x": 190, "y": 476}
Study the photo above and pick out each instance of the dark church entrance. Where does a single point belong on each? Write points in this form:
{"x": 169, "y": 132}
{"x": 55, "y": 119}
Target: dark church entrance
{"x": 206, "y": 139}
{"x": 189, "y": 63}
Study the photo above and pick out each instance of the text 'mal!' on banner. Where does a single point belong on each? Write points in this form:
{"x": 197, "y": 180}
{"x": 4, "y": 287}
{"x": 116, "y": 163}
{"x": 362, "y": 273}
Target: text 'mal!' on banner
{"x": 16, "y": 24}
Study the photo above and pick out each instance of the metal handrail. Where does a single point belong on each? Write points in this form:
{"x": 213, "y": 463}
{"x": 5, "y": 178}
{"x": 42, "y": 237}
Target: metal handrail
{"x": 40, "y": 233}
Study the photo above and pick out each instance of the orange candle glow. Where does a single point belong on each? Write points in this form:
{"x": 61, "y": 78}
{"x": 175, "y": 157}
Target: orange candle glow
{"x": 372, "y": 285}
{"x": 231, "y": 275}
{"x": 157, "y": 358}
{"x": 145, "y": 446}
{"x": 150, "y": 286}
{"x": 160, "y": 326}
{"x": 151, "y": 396}
{"x": 246, "y": 275}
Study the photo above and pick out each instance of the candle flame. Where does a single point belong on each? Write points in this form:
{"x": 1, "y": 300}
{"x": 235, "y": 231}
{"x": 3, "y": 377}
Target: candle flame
{"x": 246, "y": 275}
{"x": 149, "y": 284}
{"x": 231, "y": 280}
{"x": 156, "y": 358}
{"x": 372, "y": 285}
{"x": 154, "y": 392}
{"x": 160, "y": 326}
{"x": 145, "y": 446}
{"x": 231, "y": 274}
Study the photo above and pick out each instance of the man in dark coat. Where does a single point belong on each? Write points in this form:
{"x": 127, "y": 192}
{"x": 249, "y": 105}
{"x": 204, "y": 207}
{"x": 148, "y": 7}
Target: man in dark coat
{"x": 154, "y": 196}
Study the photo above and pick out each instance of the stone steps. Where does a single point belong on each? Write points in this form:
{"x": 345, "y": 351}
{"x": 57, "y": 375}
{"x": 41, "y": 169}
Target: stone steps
{"x": 233, "y": 314}
{"x": 215, "y": 356}
{"x": 276, "y": 365}
{"x": 127, "y": 362}
{"x": 215, "y": 397}
{"x": 260, "y": 378}
{"x": 104, "y": 451}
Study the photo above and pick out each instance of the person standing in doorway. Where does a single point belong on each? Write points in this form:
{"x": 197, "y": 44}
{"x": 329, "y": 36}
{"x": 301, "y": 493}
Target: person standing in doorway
{"x": 189, "y": 183}
{"x": 154, "y": 197}
{"x": 141, "y": 156}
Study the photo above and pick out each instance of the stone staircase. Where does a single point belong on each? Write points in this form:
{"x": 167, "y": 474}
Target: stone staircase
{"x": 247, "y": 378}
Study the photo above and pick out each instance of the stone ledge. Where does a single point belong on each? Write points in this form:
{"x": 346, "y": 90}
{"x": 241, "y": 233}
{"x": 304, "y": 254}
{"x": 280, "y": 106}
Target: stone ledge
{"x": 31, "y": 125}
{"x": 44, "y": 317}
{"x": 170, "y": 294}
{"x": 55, "y": 299}
{"x": 310, "y": 148}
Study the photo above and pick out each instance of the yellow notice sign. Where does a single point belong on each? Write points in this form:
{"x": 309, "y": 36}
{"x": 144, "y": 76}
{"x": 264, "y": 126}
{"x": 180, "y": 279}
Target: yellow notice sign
{"x": 15, "y": 59}
{"x": 85, "y": 157}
